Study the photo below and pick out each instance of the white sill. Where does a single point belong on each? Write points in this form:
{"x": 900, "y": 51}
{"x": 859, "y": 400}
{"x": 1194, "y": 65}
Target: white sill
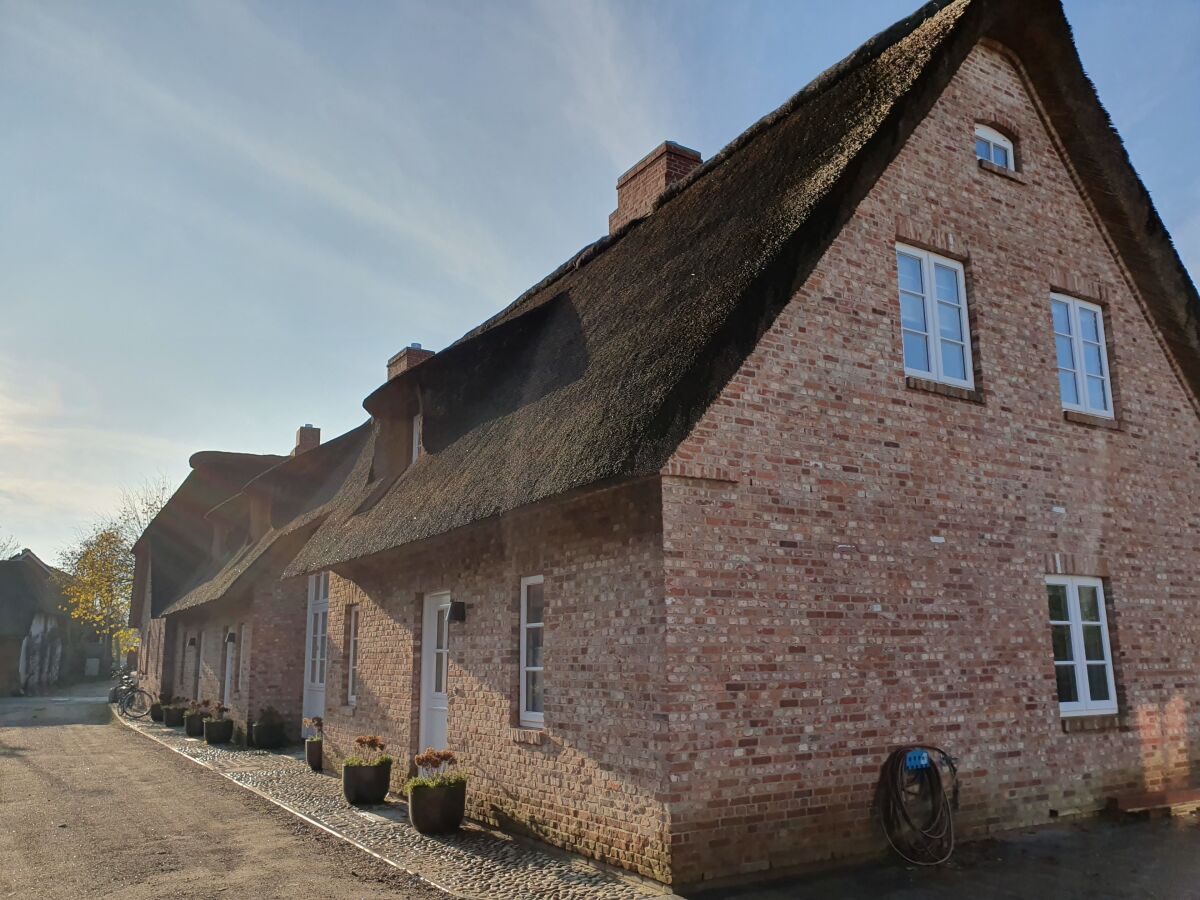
{"x": 1083, "y": 713}
{"x": 1088, "y": 412}
{"x": 948, "y": 382}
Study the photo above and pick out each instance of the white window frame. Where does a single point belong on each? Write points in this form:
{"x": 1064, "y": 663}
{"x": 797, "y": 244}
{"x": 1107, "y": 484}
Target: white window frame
{"x": 932, "y": 333}
{"x": 317, "y": 661}
{"x": 528, "y": 718}
{"x": 1084, "y": 706}
{"x": 352, "y": 658}
{"x": 415, "y": 425}
{"x": 1079, "y": 373}
{"x": 995, "y": 139}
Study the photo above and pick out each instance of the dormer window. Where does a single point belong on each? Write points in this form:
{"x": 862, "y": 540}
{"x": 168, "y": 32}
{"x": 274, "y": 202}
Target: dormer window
{"x": 415, "y": 427}
{"x": 991, "y": 146}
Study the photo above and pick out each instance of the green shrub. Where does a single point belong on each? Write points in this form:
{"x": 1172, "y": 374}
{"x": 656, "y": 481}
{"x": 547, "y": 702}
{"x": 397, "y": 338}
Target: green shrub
{"x": 447, "y": 779}
{"x": 364, "y": 761}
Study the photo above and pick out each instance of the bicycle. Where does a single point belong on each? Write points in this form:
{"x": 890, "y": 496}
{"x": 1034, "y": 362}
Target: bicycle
{"x": 135, "y": 703}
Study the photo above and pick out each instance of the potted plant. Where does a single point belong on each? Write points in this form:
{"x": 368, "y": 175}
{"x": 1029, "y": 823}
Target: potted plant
{"x": 267, "y": 730}
{"x": 156, "y": 708}
{"x": 437, "y": 797}
{"x": 173, "y": 714}
{"x": 365, "y": 778}
{"x": 193, "y": 718}
{"x": 313, "y": 744}
{"x": 217, "y": 728}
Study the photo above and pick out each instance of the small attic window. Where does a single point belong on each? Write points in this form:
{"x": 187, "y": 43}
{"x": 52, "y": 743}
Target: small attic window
{"x": 992, "y": 146}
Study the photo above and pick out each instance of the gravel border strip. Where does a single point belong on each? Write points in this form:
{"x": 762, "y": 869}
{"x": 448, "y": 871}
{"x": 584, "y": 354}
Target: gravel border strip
{"x": 608, "y": 884}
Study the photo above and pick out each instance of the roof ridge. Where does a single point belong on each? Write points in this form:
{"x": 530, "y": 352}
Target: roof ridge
{"x": 824, "y": 80}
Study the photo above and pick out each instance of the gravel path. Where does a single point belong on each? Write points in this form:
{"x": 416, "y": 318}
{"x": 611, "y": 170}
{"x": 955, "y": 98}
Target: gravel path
{"x": 91, "y": 809}
{"x": 474, "y": 863}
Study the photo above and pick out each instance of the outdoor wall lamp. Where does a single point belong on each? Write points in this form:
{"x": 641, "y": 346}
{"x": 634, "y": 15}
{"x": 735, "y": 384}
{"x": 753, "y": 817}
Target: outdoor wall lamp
{"x": 192, "y": 641}
{"x": 458, "y": 611}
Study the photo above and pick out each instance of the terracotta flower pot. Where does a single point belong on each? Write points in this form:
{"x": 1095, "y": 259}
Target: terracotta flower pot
{"x": 312, "y": 752}
{"x": 437, "y": 810}
{"x": 173, "y": 716}
{"x": 366, "y": 784}
{"x": 218, "y": 731}
{"x": 193, "y": 724}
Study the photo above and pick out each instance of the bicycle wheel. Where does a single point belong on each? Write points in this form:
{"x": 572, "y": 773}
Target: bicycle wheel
{"x": 136, "y": 704}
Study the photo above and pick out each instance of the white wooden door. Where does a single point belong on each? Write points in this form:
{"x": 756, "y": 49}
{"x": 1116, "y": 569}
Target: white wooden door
{"x": 435, "y": 668}
{"x": 316, "y": 644}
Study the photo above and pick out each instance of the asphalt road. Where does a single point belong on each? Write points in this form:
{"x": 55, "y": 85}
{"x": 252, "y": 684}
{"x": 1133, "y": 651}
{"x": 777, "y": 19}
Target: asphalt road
{"x": 88, "y": 809}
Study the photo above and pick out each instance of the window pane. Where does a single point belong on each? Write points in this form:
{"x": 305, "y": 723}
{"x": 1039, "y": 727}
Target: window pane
{"x": 1060, "y": 636}
{"x": 916, "y": 352}
{"x": 443, "y": 614}
{"x": 1097, "y": 395}
{"x": 1064, "y": 352}
{"x": 1091, "y": 359}
{"x": 533, "y": 692}
{"x": 1093, "y": 643}
{"x": 1062, "y": 317}
{"x": 1089, "y": 603}
{"x": 1057, "y": 594}
{"x": 950, "y": 321}
{"x": 1088, "y": 325}
{"x": 953, "y": 361}
{"x": 534, "y": 604}
{"x": 945, "y": 284}
{"x": 439, "y": 674}
{"x": 982, "y": 149}
{"x": 533, "y": 646}
{"x": 1000, "y": 155}
{"x": 1066, "y": 385}
{"x": 909, "y": 268}
{"x": 1098, "y": 682}
{"x": 1068, "y": 691}
{"x": 912, "y": 312}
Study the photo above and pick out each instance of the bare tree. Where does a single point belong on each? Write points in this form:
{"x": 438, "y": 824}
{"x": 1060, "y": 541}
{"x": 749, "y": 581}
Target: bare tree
{"x": 8, "y": 545}
{"x": 139, "y": 506}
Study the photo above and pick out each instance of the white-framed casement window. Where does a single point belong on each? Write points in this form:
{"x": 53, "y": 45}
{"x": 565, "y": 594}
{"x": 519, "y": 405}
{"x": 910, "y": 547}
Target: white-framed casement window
{"x": 1079, "y": 636}
{"x": 352, "y": 655}
{"x": 1081, "y": 356}
{"x": 533, "y": 623}
{"x": 415, "y": 426}
{"x": 994, "y": 147}
{"x": 933, "y": 317}
{"x": 318, "y": 630}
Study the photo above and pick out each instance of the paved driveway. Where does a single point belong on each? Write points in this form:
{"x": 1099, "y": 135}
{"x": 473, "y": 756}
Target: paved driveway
{"x": 89, "y": 809}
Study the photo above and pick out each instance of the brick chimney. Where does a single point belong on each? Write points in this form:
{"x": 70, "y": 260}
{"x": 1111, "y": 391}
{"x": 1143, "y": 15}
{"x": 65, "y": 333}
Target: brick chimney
{"x": 410, "y": 356}
{"x": 307, "y": 438}
{"x": 641, "y": 186}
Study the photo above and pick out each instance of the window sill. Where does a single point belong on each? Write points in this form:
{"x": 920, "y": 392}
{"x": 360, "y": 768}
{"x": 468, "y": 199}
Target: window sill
{"x": 526, "y": 734}
{"x": 988, "y": 166}
{"x": 347, "y": 709}
{"x": 914, "y": 383}
{"x": 1082, "y": 418}
{"x": 1074, "y": 724}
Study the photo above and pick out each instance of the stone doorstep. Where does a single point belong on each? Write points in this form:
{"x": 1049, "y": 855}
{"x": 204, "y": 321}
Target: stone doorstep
{"x": 1157, "y": 803}
{"x": 652, "y": 888}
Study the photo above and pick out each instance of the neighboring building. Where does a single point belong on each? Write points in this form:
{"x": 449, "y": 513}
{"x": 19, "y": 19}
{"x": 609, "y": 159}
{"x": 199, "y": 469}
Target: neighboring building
{"x": 879, "y": 427}
{"x": 237, "y": 632}
{"x": 175, "y": 546}
{"x": 38, "y": 647}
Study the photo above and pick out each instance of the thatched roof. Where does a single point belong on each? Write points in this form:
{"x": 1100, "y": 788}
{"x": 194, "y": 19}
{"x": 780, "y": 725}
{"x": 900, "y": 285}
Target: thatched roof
{"x": 299, "y": 491}
{"x": 601, "y": 370}
{"x": 27, "y": 587}
{"x": 179, "y": 539}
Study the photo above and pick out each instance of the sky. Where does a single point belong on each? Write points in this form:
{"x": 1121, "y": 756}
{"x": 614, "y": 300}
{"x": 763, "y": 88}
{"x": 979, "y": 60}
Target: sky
{"x": 219, "y": 219}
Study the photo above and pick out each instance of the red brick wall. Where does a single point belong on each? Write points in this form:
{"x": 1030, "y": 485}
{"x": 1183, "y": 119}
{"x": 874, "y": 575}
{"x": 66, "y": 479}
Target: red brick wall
{"x": 274, "y": 651}
{"x": 813, "y": 625}
{"x": 594, "y": 781}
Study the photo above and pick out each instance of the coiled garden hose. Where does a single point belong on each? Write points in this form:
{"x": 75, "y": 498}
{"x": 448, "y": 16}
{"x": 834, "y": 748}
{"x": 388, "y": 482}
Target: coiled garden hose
{"x": 916, "y": 810}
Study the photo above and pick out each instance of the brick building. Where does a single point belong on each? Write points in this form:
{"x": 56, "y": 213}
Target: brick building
{"x": 879, "y": 427}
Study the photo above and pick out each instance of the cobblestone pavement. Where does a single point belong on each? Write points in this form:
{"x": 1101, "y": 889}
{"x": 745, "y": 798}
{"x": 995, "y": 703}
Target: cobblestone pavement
{"x": 475, "y": 863}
